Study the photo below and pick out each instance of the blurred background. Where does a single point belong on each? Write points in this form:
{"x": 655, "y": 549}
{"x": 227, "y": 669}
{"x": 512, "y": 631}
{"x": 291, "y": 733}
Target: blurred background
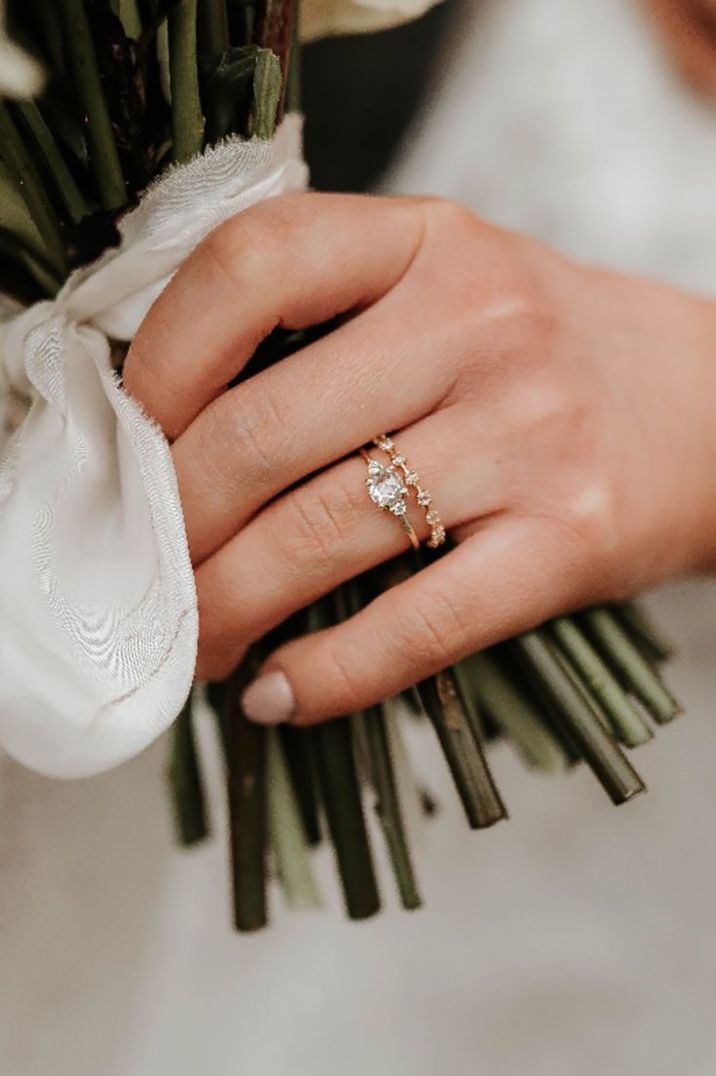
{"x": 576, "y": 939}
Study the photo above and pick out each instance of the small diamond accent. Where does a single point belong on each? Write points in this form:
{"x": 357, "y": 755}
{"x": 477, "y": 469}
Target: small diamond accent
{"x": 424, "y": 498}
{"x": 433, "y": 516}
{"x": 399, "y": 508}
{"x": 411, "y": 478}
{"x": 399, "y": 460}
{"x": 437, "y": 537}
{"x": 386, "y": 444}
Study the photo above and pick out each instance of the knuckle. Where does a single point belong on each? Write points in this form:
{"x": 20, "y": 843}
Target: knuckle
{"x": 582, "y": 531}
{"x": 589, "y": 512}
{"x": 527, "y": 325}
{"x": 314, "y": 523}
{"x": 436, "y": 629}
{"x": 221, "y": 248}
{"x": 450, "y": 214}
{"x": 237, "y": 439}
{"x": 243, "y": 246}
{"x": 349, "y": 686}
{"x": 545, "y": 404}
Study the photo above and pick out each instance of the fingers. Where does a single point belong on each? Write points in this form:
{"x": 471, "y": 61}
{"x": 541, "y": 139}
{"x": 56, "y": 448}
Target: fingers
{"x": 292, "y": 261}
{"x": 328, "y": 531}
{"x": 329, "y": 399}
{"x": 689, "y": 32}
{"x": 518, "y": 578}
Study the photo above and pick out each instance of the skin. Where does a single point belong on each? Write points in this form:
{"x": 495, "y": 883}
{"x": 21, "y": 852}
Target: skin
{"x": 688, "y": 32}
{"x": 561, "y": 415}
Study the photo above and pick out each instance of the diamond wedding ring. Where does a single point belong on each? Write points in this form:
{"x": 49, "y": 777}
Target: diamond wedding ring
{"x": 389, "y": 486}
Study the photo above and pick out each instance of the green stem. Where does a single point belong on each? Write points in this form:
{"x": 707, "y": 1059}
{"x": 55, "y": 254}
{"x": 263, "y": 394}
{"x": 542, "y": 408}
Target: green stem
{"x": 513, "y": 712}
{"x": 128, "y": 13}
{"x": 83, "y": 61}
{"x": 267, "y": 94}
{"x": 388, "y": 807}
{"x": 188, "y": 796}
{"x": 553, "y": 679}
{"x": 297, "y": 748}
{"x": 621, "y": 653}
{"x": 55, "y": 166}
{"x": 187, "y": 118}
{"x": 22, "y": 171}
{"x": 344, "y": 813}
{"x": 639, "y": 625}
{"x": 627, "y": 723}
{"x": 286, "y": 834}
{"x": 445, "y": 705}
{"x": 214, "y": 29}
{"x": 245, "y": 751}
{"x": 293, "y": 95}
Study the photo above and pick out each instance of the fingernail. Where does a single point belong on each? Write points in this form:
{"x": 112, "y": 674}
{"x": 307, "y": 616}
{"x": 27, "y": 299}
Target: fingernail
{"x": 269, "y": 700}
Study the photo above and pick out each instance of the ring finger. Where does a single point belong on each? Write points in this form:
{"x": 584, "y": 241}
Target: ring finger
{"x": 327, "y": 531}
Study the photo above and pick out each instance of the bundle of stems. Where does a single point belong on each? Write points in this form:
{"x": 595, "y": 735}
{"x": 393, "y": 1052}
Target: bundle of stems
{"x": 133, "y": 86}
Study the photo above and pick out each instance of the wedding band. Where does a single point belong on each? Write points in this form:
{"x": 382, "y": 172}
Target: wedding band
{"x": 387, "y": 489}
{"x": 389, "y": 486}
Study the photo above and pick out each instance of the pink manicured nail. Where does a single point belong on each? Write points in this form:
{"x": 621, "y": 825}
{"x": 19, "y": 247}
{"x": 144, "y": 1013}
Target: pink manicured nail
{"x": 269, "y": 700}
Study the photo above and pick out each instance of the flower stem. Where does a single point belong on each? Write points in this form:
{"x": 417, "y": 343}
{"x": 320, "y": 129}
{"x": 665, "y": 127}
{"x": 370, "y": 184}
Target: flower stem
{"x": 445, "y": 705}
{"x": 388, "y": 806}
{"x": 245, "y": 752}
{"x": 625, "y": 657}
{"x": 648, "y": 637}
{"x": 214, "y": 28}
{"x": 553, "y": 679}
{"x": 55, "y": 166}
{"x": 286, "y": 833}
{"x": 187, "y": 117}
{"x": 25, "y": 177}
{"x": 627, "y": 723}
{"x": 297, "y": 748}
{"x": 513, "y": 712}
{"x": 341, "y": 797}
{"x": 188, "y": 796}
{"x": 83, "y": 60}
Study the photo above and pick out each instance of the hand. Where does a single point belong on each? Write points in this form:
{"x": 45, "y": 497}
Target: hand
{"x": 561, "y": 416}
{"x": 688, "y": 29}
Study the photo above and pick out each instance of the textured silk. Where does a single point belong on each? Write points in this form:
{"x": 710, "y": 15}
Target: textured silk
{"x": 98, "y": 611}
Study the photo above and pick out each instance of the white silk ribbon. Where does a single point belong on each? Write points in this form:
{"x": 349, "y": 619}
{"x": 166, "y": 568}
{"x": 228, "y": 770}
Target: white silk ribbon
{"x": 98, "y": 612}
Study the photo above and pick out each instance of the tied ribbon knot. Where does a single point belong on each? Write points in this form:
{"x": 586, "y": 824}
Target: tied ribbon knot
{"x": 98, "y": 611}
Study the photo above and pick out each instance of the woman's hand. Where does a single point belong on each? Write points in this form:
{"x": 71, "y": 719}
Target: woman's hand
{"x": 561, "y": 416}
{"x": 688, "y": 29}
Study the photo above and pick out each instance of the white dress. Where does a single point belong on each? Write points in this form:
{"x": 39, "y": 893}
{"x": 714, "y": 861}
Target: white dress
{"x": 574, "y": 939}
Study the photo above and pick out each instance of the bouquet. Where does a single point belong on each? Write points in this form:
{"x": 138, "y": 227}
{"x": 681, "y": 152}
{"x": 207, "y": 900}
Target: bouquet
{"x": 129, "y": 129}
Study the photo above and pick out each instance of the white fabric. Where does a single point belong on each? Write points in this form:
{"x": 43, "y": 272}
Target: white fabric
{"x": 98, "y": 614}
{"x": 324, "y": 18}
{"x": 20, "y": 74}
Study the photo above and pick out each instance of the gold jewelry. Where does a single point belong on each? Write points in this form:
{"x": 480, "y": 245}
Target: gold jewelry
{"x": 386, "y": 489}
{"x": 422, "y": 495}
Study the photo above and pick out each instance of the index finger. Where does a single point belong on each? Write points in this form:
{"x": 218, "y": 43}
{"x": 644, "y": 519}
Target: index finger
{"x": 293, "y": 261}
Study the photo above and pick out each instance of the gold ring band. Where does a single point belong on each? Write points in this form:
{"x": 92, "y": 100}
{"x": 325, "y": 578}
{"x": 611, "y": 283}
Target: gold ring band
{"x": 389, "y": 486}
{"x": 422, "y": 495}
{"x": 388, "y": 491}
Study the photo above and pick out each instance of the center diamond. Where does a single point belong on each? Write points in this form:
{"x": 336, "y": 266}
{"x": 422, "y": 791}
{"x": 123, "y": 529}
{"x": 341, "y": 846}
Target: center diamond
{"x": 385, "y": 487}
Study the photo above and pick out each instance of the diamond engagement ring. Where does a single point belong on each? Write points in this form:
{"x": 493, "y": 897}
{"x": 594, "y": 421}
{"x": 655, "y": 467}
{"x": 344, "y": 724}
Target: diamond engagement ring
{"x": 387, "y": 489}
{"x": 389, "y": 486}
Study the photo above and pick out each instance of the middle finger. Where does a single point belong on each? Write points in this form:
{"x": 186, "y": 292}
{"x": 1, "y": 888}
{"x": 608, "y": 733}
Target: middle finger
{"x": 300, "y": 415}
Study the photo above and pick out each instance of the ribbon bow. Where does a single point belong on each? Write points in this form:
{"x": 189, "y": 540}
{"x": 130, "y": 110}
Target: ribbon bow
{"x": 98, "y": 612}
